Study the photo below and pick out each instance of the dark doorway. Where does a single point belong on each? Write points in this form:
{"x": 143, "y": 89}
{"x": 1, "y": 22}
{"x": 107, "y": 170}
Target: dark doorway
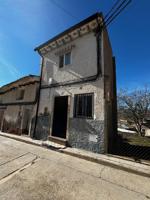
{"x": 60, "y": 117}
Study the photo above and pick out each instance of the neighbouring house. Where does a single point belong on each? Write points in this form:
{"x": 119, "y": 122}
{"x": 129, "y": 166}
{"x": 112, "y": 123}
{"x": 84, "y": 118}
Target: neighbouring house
{"x": 77, "y": 101}
{"x": 18, "y": 103}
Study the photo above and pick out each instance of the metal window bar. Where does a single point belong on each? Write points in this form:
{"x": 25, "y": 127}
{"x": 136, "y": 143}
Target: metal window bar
{"x": 83, "y": 105}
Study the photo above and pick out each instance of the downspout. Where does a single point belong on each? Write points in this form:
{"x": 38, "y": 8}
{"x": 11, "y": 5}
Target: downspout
{"x": 38, "y": 96}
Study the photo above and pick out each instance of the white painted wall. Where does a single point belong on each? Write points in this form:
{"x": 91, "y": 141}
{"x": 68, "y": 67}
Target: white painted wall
{"x": 84, "y": 61}
{"x": 48, "y": 95}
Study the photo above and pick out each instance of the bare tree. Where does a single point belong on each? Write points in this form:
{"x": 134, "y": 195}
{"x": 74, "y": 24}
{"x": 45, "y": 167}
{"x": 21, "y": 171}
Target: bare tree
{"x": 135, "y": 106}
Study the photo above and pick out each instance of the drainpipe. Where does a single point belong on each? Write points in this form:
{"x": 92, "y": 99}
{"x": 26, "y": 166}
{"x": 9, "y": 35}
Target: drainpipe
{"x": 38, "y": 96}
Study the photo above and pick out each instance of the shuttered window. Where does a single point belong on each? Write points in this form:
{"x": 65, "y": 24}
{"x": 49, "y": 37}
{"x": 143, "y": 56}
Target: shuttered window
{"x": 83, "y": 105}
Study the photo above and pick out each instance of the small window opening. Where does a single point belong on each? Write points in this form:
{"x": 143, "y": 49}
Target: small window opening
{"x": 68, "y": 58}
{"x": 65, "y": 59}
{"x": 20, "y": 95}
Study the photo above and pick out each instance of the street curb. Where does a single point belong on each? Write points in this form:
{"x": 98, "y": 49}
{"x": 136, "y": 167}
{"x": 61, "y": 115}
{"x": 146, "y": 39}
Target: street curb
{"x": 21, "y": 140}
{"x": 109, "y": 163}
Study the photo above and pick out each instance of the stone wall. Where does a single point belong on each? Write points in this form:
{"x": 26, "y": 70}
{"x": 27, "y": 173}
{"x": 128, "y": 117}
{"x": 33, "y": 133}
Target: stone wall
{"x": 42, "y": 127}
{"x": 86, "y": 134}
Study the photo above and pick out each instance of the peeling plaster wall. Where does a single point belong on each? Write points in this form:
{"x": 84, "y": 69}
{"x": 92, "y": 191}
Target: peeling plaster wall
{"x": 19, "y": 118}
{"x": 15, "y": 120}
{"x": 82, "y": 133}
{"x": 12, "y": 119}
{"x": 83, "y": 61}
{"x": 88, "y": 134}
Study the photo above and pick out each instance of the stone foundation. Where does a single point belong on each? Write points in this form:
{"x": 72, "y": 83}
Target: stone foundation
{"x": 86, "y": 134}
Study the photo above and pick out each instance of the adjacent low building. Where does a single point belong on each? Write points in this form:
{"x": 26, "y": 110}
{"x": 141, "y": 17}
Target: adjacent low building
{"x": 18, "y": 104}
{"x": 77, "y": 102}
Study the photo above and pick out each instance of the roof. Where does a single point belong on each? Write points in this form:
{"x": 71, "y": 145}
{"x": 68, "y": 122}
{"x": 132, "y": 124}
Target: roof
{"x": 30, "y": 79}
{"x": 72, "y": 28}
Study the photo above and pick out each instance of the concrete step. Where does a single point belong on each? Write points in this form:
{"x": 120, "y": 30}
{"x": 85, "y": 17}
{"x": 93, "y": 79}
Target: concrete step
{"x": 58, "y": 140}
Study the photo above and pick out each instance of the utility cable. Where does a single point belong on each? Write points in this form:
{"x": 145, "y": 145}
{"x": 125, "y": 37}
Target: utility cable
{"x": 64, "y": 9}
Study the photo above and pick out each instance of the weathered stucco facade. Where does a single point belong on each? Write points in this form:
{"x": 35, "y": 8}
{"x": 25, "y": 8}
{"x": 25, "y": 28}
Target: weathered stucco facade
{"x": 78, "y": 79}
{"x": 18, "y": 103}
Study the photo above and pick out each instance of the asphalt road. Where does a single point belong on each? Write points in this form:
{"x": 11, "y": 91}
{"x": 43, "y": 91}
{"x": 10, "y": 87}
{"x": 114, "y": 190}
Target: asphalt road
{"x": 29, "y": 172}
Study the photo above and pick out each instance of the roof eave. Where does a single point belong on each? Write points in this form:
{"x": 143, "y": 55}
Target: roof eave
{"x": 92, "y": 17}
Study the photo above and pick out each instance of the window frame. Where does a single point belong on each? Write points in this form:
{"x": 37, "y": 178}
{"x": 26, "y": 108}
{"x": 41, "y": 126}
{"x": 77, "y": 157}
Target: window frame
{"x": 64, "y": 59}
{"x": 69, "y": 52}
{"x": 75, "y": 114}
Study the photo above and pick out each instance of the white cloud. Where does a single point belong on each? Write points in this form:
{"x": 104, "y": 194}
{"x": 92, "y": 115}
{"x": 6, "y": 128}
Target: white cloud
{"x": 7, "y": 67}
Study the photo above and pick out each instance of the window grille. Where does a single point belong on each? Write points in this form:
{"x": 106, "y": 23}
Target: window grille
{"x": 83, "y": 105}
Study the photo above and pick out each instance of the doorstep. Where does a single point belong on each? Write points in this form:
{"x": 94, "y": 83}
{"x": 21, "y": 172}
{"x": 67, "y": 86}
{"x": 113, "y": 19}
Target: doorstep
{"x": 142, "y": 169}
{"x": 58, "y": 140}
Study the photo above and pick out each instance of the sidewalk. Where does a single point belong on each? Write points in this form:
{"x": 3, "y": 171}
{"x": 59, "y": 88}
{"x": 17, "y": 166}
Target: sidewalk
{"x": 142, "y": 169}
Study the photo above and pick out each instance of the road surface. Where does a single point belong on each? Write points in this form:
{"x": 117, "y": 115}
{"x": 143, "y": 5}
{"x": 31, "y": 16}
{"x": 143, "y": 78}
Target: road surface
{"x": 29, "y": 172}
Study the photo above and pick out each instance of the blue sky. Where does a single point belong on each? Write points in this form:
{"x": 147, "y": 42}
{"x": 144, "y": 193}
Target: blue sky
{"x": 26, "y": 24}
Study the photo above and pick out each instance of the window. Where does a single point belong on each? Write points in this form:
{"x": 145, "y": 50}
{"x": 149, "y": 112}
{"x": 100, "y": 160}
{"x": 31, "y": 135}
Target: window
{"x": 64, "y": 59}
{"x": 68, "y": 58}
{"x": 20, "y": 95}
{"x": 83, "y": 105}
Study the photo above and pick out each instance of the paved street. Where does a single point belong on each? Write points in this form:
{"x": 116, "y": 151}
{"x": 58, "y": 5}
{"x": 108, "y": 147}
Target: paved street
{"x": 29, "y": 172}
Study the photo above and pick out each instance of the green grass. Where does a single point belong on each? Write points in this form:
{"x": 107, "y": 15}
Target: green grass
{"x": 138, "y": 140}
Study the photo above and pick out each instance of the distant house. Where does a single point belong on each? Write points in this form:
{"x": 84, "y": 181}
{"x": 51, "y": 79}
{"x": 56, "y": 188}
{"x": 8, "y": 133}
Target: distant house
{"x": 77, "y": 104}
{"x": 146, "y": 127}
{"x": 18, "y": 101}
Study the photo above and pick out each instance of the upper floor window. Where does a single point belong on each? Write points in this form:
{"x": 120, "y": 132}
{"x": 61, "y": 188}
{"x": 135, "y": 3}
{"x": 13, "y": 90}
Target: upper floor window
{"x": 20, "y": 95}
{"x": 65, "y": 59}
{"x": 83, "y": 105}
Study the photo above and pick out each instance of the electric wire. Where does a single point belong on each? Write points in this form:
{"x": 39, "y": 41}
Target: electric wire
{"x": 115, "y": 16}
{"x": 117, "y": 11}
{"x": 64, "y": 9}
{"x": 113, "y": 7}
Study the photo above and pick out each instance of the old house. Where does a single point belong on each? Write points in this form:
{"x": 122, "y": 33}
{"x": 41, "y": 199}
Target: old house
{"x": 77, "y": 103}
{"x": 18, "y": 103}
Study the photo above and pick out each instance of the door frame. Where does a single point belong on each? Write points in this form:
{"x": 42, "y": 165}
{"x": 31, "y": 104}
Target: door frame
{"x": 68, "y": 114}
